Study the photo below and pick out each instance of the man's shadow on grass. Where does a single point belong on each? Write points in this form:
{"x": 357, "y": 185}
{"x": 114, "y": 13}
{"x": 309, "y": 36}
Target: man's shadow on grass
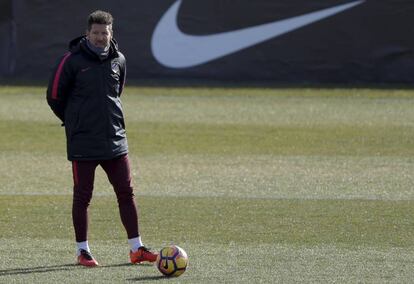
{"x": 37, "y": 269}
{"x": 51, "y": 268}
{"x": 147, "y": 278}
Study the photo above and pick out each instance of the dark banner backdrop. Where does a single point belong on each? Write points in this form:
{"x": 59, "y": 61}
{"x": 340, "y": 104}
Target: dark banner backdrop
{"x": 371, "y": 42}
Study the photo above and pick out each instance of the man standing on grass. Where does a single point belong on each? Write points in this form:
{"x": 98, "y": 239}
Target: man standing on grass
{"x": 84, "y": 92}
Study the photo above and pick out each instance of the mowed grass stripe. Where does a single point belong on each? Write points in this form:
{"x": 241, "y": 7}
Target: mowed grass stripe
{"x": 247, "y": 176}
{"x": 342, "y": 223}
{"x": 148, "y": 138}
{"x": 260, "y": 263}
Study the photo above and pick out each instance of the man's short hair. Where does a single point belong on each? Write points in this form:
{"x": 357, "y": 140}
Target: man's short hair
{"x": 100, "y": 17}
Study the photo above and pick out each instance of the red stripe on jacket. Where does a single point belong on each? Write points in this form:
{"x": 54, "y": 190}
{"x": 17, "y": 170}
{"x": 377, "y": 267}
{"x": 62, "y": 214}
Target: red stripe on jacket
{"x": 57, "y": 76}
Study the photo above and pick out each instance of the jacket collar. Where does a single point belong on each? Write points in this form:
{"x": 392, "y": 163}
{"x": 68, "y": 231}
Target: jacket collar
{"x": 79, "y": 44}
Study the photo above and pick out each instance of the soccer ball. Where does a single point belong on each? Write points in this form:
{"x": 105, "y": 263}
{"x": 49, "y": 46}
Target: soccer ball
{"x": 172, "y": 261}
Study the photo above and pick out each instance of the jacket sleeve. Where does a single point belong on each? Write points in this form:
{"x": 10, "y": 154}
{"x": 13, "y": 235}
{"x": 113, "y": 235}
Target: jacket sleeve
{"x": 123, "y": 77}
{"x": 59, "y": 86}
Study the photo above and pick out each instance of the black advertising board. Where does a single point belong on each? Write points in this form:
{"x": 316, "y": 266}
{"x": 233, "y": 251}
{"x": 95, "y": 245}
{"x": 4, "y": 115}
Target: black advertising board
{"x": 296, "y": 41}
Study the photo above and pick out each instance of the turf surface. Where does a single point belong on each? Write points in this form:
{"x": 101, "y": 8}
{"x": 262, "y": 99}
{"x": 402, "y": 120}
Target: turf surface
{"x": 257, "y": 185}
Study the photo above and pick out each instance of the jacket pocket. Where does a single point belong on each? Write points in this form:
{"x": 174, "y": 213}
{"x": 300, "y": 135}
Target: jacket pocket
{"x": 73, "y": 120}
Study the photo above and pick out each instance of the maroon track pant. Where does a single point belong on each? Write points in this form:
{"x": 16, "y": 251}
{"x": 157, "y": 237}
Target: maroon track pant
{"x": 118, "y": 172}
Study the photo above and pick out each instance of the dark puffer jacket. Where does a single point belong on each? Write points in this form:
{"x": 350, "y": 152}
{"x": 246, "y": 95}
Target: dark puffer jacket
{"x": 84, "y": 92}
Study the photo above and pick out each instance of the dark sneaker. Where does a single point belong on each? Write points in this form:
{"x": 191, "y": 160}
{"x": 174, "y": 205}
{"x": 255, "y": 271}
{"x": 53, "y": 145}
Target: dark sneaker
{"x": 86, "y": 259}
{"x": 142, "y": 254}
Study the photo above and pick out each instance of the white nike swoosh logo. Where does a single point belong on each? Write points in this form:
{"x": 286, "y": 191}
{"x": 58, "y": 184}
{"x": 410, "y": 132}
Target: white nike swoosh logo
{"x": 173, "y": 48}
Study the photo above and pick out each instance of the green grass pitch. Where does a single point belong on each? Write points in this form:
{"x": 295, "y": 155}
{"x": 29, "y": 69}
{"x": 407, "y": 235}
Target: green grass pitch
{"x": 257, "y": 185}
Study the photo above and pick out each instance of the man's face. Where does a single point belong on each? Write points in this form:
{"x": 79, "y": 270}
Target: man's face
{"x": 100, "y": 35}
